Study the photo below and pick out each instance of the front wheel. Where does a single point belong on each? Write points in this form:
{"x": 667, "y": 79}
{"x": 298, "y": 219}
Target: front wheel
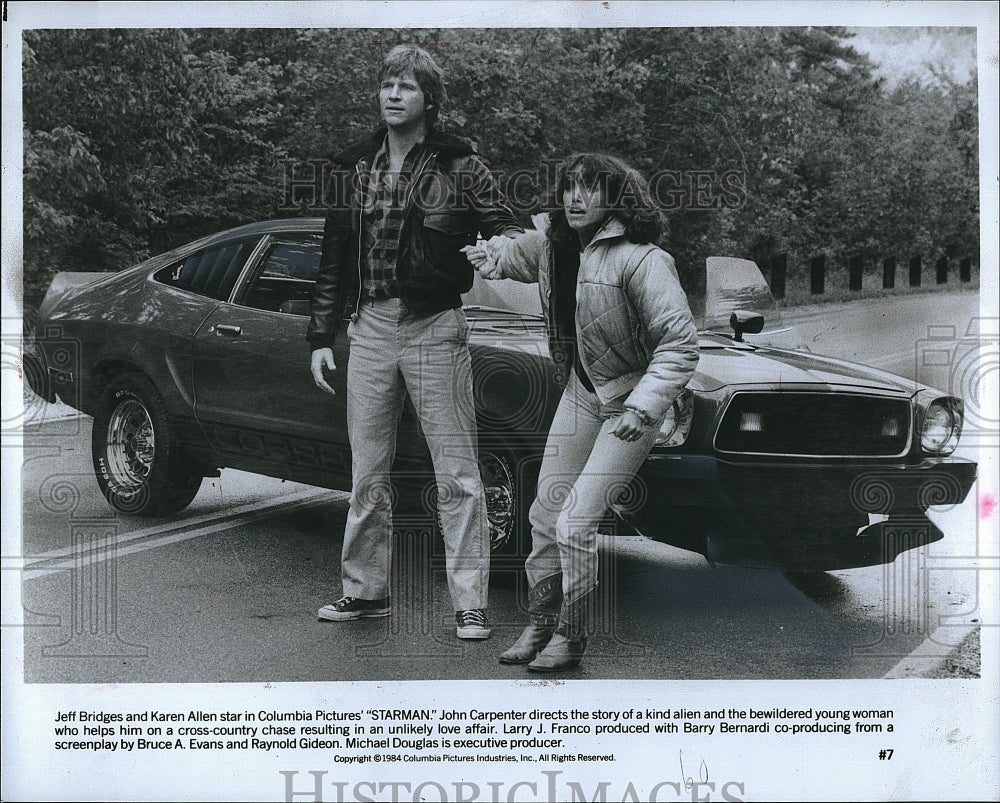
{"x": 140, "y": 466}
{"x": 509, "y": 485}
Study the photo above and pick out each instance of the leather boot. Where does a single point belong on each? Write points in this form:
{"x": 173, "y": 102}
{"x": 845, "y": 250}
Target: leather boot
{"x": 567, "y": 645}
{"x": 544, "y": 600}
{"x": 559, "y": 654}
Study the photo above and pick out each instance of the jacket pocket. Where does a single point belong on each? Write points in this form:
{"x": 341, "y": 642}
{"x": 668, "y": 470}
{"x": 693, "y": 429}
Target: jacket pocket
{"x": 444, "y": 235}
{"x": 448, "y": 224}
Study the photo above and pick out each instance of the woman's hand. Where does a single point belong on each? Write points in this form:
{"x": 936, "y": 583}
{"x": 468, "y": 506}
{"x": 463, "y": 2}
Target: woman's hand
{"x": 482, "y": 260}
{"x": 630, "y": 427}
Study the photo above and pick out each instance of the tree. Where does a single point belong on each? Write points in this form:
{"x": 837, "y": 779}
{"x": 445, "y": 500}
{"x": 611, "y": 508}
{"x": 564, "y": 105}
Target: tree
{"x": 765, "y": 140}
{"x": 130, "y": 135}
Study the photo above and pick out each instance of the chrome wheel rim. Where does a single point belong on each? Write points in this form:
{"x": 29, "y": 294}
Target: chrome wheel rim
{"x": 498, "y": 485}
{"x": 131, "y": 445}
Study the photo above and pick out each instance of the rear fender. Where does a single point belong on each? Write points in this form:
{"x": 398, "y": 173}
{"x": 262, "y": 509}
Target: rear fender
{"x": 67, "y": 283}
{"x": 176, "y": 399}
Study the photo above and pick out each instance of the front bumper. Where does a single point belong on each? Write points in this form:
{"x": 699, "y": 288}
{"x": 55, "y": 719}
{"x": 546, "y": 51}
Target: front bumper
{"x": 797, "y": 516}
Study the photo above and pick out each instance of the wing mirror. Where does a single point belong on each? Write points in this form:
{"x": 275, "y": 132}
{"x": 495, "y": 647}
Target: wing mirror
{"x": 744, "y": 321}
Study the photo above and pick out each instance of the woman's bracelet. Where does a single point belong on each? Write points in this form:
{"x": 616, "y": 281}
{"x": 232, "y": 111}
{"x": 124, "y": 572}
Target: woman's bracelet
{"x": 647, "y": 422}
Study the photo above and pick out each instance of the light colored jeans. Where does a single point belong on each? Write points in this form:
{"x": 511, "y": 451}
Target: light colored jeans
{"x": 392, "y": 354}
{"x": 584, "y": 469}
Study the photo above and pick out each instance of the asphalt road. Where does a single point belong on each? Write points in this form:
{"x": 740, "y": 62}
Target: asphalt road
{"x": 228, "y": 590}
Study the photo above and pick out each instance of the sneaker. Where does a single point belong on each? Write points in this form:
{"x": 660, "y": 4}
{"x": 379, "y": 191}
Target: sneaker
{"x": 347, "y": 608}
{"x": 472, "y": 624}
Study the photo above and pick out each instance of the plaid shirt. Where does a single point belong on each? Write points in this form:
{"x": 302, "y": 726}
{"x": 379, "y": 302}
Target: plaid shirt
{"x": 383, "y": 222}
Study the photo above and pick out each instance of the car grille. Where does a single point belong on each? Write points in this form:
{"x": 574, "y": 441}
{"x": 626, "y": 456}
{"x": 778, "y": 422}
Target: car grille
{"x": 815, "y": 425}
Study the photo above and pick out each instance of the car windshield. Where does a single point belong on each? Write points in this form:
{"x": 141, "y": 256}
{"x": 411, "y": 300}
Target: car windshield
{"x": 737, "y": 285}
{"x": 731, "y": 285}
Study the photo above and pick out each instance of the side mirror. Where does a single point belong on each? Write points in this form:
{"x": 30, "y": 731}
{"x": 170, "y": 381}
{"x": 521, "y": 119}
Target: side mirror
{"x": 744, "y": 321}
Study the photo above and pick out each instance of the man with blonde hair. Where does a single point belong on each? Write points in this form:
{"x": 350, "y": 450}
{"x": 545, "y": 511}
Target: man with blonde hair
{"x": 391, "y": 260}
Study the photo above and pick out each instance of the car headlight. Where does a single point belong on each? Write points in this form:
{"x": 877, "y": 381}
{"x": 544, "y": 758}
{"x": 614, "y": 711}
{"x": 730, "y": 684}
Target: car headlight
{"x": 942, "y": 426}
{"x": 677, "y": 424}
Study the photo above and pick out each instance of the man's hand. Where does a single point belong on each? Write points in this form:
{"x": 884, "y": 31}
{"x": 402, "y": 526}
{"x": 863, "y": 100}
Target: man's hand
{"x": 482, "y": 261}
{"x": 630, "y": 428}
{"x": 323, "y": 358}
{"x": 497, "y": 243}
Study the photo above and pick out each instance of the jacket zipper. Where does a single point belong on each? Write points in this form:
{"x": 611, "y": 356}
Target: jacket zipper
{"x": 416, "y": 178}
{"x": 357, "y": 299}
{"x": 579, "y": 330}
{"x": 406, "y": 206}
{"x": 591, "y": 246}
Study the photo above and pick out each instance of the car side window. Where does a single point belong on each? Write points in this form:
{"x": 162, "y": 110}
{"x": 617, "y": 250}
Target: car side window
{"x": 285, "y": 280}
{"x": 212, "y": 273}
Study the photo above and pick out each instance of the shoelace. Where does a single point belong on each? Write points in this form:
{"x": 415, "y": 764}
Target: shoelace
{"x": 474, "y": 617}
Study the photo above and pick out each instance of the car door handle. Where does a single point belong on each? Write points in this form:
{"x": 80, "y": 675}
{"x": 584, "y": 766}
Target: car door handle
{"x": 226, "y": 329}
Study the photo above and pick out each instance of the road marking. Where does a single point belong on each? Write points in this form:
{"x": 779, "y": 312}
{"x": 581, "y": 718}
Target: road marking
{"x": 60, "y": 560}
{"x": 179, "y": 524}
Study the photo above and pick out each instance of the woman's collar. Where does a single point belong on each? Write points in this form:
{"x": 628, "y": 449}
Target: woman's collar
{"x": 612, "y": 227}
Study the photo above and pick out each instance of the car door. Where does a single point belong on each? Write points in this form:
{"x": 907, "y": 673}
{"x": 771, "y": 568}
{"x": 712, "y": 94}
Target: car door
{"x": 254, "y": 393}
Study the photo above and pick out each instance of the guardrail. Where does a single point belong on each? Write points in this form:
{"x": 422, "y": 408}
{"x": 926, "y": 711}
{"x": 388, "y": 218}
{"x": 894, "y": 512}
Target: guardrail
{"x": 821, "y": 277}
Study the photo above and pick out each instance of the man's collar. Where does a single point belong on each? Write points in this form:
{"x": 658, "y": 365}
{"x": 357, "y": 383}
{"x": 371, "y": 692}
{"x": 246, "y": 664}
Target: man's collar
{"x": 382, "y": 154}
{"x": 448, "y": 145}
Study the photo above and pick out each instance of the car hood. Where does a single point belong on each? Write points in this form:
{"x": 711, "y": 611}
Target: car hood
{"x": 725, "y": 363}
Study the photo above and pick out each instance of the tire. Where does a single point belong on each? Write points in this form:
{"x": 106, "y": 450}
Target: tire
{"x": 139, "y": 464}
{"x": 509, "y": 485}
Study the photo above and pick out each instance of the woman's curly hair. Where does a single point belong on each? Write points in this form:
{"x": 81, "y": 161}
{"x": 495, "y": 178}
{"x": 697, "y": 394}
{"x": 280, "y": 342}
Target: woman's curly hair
{"x": 625, "y": 190}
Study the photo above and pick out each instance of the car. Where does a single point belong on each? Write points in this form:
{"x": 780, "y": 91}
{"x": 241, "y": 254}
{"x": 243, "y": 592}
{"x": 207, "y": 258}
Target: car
{"x": 196, "y": 360}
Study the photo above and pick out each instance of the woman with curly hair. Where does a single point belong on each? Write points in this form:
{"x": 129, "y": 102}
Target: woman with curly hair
{"x": 623, "y": 340}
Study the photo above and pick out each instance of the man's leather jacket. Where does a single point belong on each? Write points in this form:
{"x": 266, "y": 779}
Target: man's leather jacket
{"x": 450, "y": 197}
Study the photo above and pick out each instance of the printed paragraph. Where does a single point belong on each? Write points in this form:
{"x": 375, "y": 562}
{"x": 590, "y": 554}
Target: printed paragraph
{"x": 456, "y": 734}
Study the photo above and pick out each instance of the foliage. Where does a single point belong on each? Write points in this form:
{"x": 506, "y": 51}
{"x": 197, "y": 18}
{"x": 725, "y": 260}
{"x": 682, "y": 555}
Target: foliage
{"x": 138, "y": 140}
